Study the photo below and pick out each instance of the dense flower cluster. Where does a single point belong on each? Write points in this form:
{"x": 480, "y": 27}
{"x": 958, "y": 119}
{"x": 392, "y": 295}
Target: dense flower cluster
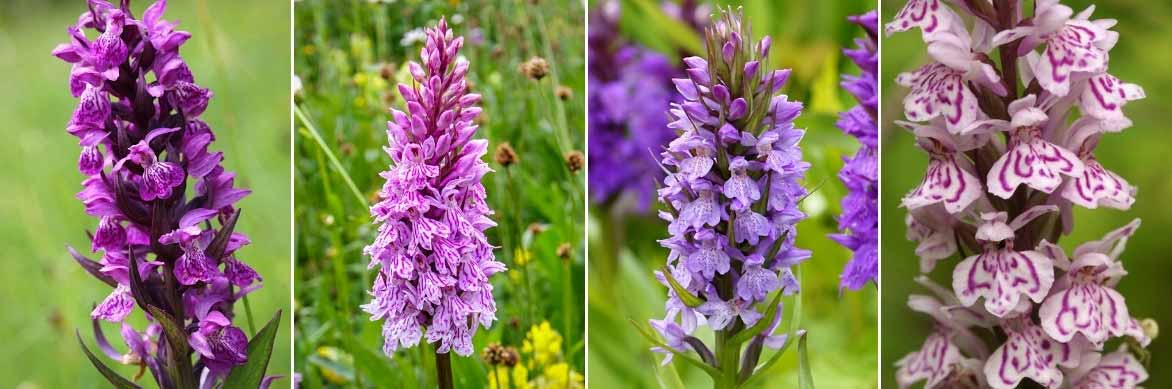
{"x": 1008, "y": 163}
{"x": 142, "y": 144}
{"x": 433, "y": 257}
{"x": 731, "y": 195}
{"x": 859, "y": 221}
{"x": 629, "y": 89}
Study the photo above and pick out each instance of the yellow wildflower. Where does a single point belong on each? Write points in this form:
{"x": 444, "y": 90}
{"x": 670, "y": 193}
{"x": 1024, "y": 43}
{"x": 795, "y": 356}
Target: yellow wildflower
{"x": 518, "y": 378}
{"x": 543, "y": 343}
{"x": 560, "y": 376}
{"x": 521, "y": 256}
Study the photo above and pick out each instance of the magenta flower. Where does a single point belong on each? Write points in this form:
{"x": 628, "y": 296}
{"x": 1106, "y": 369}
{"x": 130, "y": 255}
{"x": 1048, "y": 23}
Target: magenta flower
{"x": 142, "y": 147}
{"x": 1008, "y": 161}
{"x": 434, "y": 257}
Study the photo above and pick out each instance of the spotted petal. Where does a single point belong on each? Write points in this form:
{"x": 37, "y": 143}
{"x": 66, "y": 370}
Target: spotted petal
{"x": 931, "y": 16}
{"x": 1028, "y": 353}
{"x": 938, "y": 90}
{"x": 1037, "y": 164}
{"x": 1073, "y": 49}
{"x": 1094, "y": 310}
{"x": 934, "y": 362}
{"x": 1117, "y": 370}
{"x": 1104, "y": 98}
{"x": 1002, "y": 276}
{"x": 1099, "y": 186}
{"x": 947, "y": 182}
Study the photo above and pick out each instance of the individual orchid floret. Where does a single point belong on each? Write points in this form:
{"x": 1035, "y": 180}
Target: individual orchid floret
{"x": 164, "y": 252}
{"x": 1118, "y": 369}
{"x": 932, "y": 17}
{"x": 1075, "y": 46}
{"x": 730, "y": 197}
{"x": 1085, "y": 301}
{"x": 951, "y": 356}
{"x": 1029, "y": 353}
{"x": 1031, "y": 160}
{"x": 1002, "y": 274}
{"x": 434, "y": 257}
{"x": 939, "y": 91}
{"x": 949, "y": 179}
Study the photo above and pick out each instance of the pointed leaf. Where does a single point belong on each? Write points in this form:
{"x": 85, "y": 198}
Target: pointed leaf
{"x": 115, "y": 379}
{"x": 805, "y": 377}
{"x": 689, "y": 299}
{"x": 220, "y": 242}
{"x": 260, "y": 349}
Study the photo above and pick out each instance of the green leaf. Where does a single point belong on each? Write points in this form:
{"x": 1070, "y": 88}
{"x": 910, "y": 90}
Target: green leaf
{"x": 179, "y": 368}
{"x": 372, "y": 365}
{"x": 260, "y": 348}
{"x": 805, "y": 377}
{"x": 689, "y": 299}
{"x": 113, "y": 377}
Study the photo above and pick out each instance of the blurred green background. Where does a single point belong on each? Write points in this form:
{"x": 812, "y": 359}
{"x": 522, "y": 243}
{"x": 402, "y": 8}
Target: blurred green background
{"x": 45, "y": 294}
{"x": 1138, "y": 154}
{"x": 349, "y": 56}
{"x": 843, "y": 338}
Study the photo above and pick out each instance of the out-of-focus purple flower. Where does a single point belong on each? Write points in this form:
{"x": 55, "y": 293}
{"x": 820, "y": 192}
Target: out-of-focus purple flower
{"x": 731, "y": 193}
{"x": 1008, "y": 162}
{"x": 859, "y": 221}
{"x": 433, "y": 255}
{"x": 630, "y": 87}
{"x": 142, "y": 146}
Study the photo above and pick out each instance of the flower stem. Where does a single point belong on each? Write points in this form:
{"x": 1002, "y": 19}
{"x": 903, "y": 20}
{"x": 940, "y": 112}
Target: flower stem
{"x": 443, "y": 370}
{"x": 728, "y": 359}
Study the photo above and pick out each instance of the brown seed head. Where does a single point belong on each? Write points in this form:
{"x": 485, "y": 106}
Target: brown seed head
{"x": 535, "y": 68}
{"x": 505, "y": 156}
{"x": 564, "y": 251}
{"x": 575, "y": 161}
{"x": 492, "y": 354}
{"x": 564, "y": 92}
{"x": 386, "y": 71}
{"x": 510, "y": 356}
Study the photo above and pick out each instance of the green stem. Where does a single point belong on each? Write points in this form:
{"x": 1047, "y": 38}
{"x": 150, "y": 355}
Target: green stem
{"x": 248, "y": 313}
{"x": 728, "y": 358}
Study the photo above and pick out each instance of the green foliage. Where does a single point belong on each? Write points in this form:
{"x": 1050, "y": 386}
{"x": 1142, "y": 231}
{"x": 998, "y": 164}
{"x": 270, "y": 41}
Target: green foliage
{"x": 349, "y": 56}
{"x": 1140, "y": 57}
{"x": 260, "y": 349}
{"x": 45, "y": 294}
{"x": 843, "y": 336}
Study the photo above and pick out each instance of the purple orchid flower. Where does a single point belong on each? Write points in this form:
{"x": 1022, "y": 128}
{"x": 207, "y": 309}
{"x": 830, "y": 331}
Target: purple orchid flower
{"x": 859, "y": 221}
{"x": 142, "y": 146}
{"x": 433, "y": 256}
{"x": 731, "y": 193}
{"x": 1007, "y": 163}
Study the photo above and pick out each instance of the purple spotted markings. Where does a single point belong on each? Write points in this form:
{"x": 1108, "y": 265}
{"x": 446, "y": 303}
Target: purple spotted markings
{"x": 1010, "y": 154}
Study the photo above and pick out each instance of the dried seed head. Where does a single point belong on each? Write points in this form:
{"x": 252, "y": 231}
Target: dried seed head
{"x": 564, "y": 251}
{"x": 575, "y": 161}
{"x": 505, "y": 156}
{"x": 492, "y": 354}
{"x": 535, "y": 68}
{"x": 386, "y": 71}
{"x": 535, "y": 228}
{"x": 510, "y": 357}
{"x": 564, "y": 92}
